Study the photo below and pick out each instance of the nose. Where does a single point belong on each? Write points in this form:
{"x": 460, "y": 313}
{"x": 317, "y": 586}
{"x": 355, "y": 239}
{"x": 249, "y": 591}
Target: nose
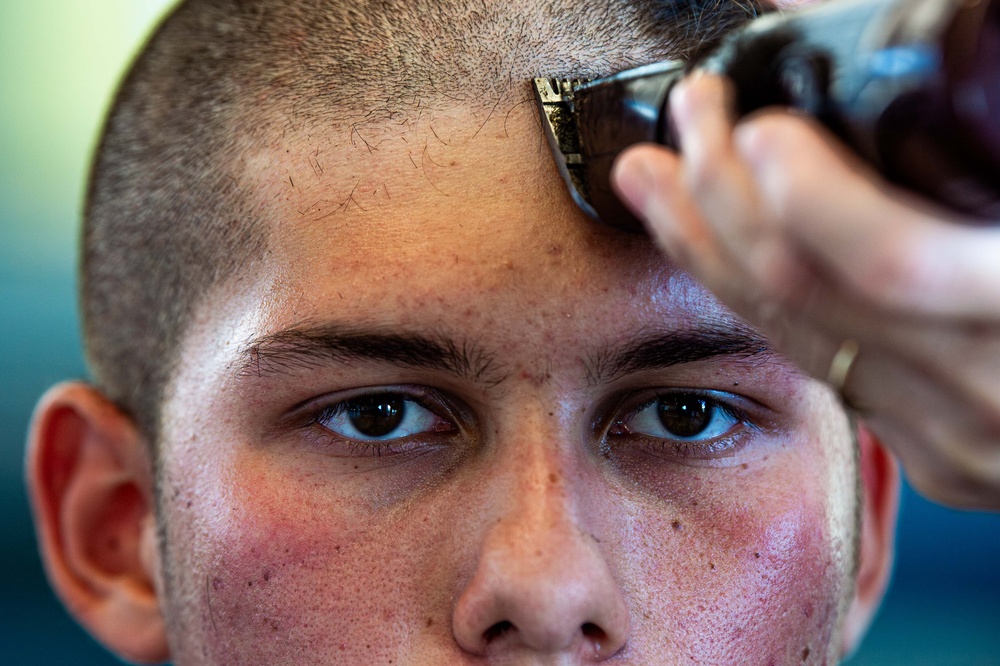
{"x": 542, "y": 583}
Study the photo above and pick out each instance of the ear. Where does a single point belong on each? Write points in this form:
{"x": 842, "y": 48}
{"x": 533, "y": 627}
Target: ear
{"x": 91, "y": 489}
{"x": 880, "y": 487}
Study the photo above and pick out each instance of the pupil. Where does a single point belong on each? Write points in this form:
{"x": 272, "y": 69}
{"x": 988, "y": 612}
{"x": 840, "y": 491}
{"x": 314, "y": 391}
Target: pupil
{"x": 684, "y": 415}
{"x": 376, "y": 416}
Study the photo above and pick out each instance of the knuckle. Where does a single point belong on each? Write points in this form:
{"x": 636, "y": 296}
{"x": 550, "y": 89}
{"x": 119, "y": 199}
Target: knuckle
{"x": 704, "y": 175}
{"x": 895, "y": 274}
{"x": 774, "y": 136}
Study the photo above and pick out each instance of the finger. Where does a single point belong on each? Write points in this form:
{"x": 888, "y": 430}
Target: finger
{"x": 725, "y": 190}
{"x": 899, "y": 254}
{"x": 946, "y": 445}
{"x": 648, "y": 179}
{"x": 940, "y": 438}
{"x": 700, "y": 108}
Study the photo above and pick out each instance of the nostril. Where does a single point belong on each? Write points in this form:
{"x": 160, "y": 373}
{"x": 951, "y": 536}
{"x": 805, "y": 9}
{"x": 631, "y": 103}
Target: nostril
{"x": 496, "y": 631}
{"x": 594, "y": 633}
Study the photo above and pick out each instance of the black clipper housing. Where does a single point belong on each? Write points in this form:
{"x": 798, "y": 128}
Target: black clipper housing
{"x": 913, "y": 86}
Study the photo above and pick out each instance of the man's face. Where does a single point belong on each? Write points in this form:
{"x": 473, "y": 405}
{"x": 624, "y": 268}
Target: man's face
{"x": 448, "y": 420}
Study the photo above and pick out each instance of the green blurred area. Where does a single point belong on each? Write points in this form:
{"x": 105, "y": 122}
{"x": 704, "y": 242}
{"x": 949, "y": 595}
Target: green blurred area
{"x": 59, "y": 63}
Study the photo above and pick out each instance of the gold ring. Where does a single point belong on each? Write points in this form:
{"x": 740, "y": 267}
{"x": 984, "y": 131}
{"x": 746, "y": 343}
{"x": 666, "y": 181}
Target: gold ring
{"x": 840, "y": 366}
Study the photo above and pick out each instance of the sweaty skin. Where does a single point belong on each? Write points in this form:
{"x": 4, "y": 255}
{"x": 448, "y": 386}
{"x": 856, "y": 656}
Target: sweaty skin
{"x": 532, "y": 524}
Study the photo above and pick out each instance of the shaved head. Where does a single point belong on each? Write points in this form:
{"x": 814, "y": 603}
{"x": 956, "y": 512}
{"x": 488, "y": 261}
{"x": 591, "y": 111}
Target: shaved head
{"x": 170, "y": 212}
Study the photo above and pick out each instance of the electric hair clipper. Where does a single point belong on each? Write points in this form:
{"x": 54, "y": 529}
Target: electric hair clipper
{"x": 913, "y": 86}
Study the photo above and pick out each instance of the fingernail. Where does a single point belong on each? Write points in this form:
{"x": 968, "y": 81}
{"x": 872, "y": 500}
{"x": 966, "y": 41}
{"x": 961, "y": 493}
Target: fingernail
{"x": 634, "y": 181}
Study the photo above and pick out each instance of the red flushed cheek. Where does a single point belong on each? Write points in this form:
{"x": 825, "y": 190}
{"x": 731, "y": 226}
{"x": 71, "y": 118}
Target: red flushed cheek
{"x": 284, "y": 574}
{"x": 796, "y": 576}
{"x": 751, "y": 582}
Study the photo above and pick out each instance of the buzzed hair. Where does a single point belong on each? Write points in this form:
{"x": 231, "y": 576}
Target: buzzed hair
{"x": 169, "y": 213}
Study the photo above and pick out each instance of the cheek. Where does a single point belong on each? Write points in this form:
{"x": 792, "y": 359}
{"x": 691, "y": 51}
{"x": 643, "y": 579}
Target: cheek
{"x": 281, "y": 567}
{"x": 749, "y": 581}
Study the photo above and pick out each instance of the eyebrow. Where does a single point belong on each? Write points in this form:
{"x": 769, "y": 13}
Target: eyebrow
{"x": 653, "y": 350}
{"x": 303, "y": 347}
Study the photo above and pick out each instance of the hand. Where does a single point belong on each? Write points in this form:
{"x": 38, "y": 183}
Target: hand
{"x": 809, "y": 245}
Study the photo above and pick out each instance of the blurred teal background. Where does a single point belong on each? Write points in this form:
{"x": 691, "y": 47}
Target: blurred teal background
{"x": 59, "y": 62}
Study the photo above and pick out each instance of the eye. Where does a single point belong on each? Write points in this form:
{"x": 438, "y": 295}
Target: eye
{"x": 381, "y": 417}
{"x": 681, "y": 416}
{"x": 683, "y": 424}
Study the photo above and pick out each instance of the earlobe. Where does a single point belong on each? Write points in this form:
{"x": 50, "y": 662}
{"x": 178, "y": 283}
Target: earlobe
{"x": 880, "y": 487}
{"x": 91, "y": 487}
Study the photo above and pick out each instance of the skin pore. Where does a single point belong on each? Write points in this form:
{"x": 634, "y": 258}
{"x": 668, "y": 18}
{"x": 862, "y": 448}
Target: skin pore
{"x": 537, "y": 513}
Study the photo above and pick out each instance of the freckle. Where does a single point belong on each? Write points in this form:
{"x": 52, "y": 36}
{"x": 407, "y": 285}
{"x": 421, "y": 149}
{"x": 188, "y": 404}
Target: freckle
{"x": 677, "y": 525}
{"x": 553, "y": 478}
{"x": 551, "y": 414}
{"x": 745, "y": 466}
{"x": 249, "y": 583}
{"x": 538, "y": 553}
{"x": 805, "y": 654}
{"x": 736, "y": 383}
{"x": 757, "y": 555}
{"x": 267, "y": 576}
{"x": 711, "y": 566}
{"x": 337, "y": 548}
{"x": 430, "y": 622}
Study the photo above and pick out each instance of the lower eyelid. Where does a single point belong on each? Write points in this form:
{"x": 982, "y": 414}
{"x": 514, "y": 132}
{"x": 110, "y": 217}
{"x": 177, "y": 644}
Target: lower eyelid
{"x": 677, "y": 449}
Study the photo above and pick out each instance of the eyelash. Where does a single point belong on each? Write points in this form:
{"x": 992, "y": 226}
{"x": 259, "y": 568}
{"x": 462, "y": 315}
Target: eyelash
{"x": 724, "y": 445}
{"x": 617, "y": 435}
{"x": 424, "y": 398}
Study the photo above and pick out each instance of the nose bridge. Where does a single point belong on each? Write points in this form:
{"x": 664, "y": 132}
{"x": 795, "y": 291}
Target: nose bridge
{"x": 541, "y": 582}
{"x": 540, "y": 506}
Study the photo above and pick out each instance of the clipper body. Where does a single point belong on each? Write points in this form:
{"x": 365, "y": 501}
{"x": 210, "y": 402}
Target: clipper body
{"x": 913, "y": 86}
{"x": 589, "y": 122}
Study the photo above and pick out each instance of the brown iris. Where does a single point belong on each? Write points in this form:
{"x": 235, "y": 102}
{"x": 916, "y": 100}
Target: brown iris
{"x": 684, "y": 415}
{"x": 376, "y": 416}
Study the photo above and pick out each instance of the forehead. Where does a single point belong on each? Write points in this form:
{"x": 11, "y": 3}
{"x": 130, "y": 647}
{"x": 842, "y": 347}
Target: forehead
{"x": 461, "y": 205}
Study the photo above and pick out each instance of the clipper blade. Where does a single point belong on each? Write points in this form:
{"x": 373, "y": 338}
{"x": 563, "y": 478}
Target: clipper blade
{"x": 555, "y": 105}
{"x": 589, "y": 122}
